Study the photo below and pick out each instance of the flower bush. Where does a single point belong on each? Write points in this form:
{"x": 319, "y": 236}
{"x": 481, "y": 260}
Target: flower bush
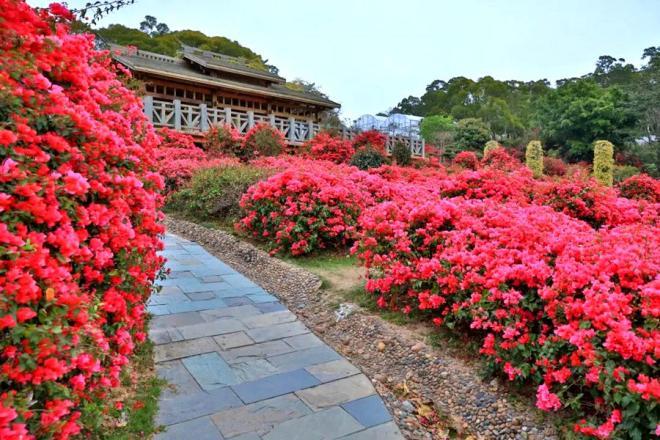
{"x": 370, "y": 138}
{"x": 262, "y": 140}
{"x": 554, "y": 302}
{"x": 79, "y": 225}
{"x": 223, "y": 140}
{"x": 553, "y": 166}
{"x": 641, "y": 187}
{"x": 499, "y": 158}
{"x": 324, "y": 146}
{"x": 301, "y": 211}
{"x": 466, "y": 159}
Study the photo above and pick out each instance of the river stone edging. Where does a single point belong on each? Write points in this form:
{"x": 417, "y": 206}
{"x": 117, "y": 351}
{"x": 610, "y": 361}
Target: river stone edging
{"x": 386, "y": 353}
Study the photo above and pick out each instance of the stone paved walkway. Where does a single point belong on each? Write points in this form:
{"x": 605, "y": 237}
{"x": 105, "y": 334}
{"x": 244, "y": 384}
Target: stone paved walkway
{"x": 242, "y": 367}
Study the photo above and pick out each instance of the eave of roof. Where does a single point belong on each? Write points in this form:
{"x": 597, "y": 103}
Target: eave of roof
{"x": 185, "y": 73}
{"x": 239, "y": 70}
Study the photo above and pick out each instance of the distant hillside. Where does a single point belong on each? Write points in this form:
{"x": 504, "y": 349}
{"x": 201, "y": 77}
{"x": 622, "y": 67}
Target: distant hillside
{"x": 167, "y": 43}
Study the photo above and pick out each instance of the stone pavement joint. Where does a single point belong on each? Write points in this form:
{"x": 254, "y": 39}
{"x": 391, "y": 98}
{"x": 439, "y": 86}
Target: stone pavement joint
{"x": 241, "y": 366}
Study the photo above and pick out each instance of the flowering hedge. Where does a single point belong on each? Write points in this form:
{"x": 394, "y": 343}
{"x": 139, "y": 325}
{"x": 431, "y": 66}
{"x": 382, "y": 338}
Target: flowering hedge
{"x": 79, "y": 225}
{"x": 555, "y": 302}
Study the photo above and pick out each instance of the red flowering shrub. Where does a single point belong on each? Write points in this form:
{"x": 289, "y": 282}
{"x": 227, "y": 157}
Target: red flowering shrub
{"x": 79, "y": 225}
{"x": 500, "y": 159}
{"x": 324, "y": 146}
{"x": 489, "y": 183}
{"x": 172, "y": 139}
{"x": 302, "y": 211}
{"x": 262, "y": 140}
{"x": 585, "y": 199}
{"x": 641, "y": 187}
{"x": 223, "y": 140}
{"x": 372, "y": 138}
{"x": 466, "y": 159}
{"x": 553, "y": 166}
{"x": 554, "y": 301}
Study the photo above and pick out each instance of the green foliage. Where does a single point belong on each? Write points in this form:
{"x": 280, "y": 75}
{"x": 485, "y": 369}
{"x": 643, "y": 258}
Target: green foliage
{"x": 401, "y": 154}
{"x": 366, "y": 158}
{"x": 263, "y": 140}
{"x": 622, "y": 172}
{"x": 300, "y": 85}
{"x": 580, "y": 111}
{"x": 616, "y": 101}
{"x": 471, "y": 134}
{"x": 505, "y": 106}
{"x": 604, "y": 162}
{"x": 437, "y": 129}
{"x": 490, "y": 146}
{"x": 169, "y": 43}
{"x": 216, "y": 192}
{"x": 534, "y": 158}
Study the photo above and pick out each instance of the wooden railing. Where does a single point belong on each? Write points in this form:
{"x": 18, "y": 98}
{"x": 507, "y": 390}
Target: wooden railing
{"x": 199, "y": 118}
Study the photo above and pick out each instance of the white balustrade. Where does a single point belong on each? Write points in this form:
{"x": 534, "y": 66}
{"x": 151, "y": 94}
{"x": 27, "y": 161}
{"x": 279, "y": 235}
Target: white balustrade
{"x": 199, "y": 118}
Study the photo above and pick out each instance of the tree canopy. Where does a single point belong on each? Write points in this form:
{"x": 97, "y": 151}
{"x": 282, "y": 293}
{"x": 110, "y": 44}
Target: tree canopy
{"x": 157, "y": 37}
{"x": 617, "y": 101}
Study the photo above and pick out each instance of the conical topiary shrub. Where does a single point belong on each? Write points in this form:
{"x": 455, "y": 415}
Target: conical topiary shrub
{"x": 604, "y": 162}
{"x": 490, "y": 146}
{"x": 534, "y": 158}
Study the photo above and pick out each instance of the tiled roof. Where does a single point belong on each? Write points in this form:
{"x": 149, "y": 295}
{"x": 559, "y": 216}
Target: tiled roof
{"x": 176, "y": 68}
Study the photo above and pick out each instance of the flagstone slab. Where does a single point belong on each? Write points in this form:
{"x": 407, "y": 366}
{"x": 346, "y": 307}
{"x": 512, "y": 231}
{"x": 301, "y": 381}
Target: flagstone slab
{"x": 197, "y": 429}
{"x": 210, "y": 371}
{"x": 274, "y": 385}
{"x": 325, "y": 425}
{"x": 260, "y": 417}
{"x": 337, "y": 392}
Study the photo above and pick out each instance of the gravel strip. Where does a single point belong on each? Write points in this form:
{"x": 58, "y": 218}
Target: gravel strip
{"x": 426, "y": 390}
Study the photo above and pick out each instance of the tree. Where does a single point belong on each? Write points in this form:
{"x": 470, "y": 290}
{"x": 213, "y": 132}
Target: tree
{"x": 580, "y": 111}
{"x": 160, "y": 39}
{"x": 438, "y": 130}
{"x": 148, "y": 24}
{"x": 161, "y": 29}
{"x": 411, "y": 105}
{"x": 471, "y": 134}
{"x": 151, "y": 27}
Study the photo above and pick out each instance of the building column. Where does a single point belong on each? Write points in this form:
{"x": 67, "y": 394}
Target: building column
{"x": 177, "y": 114}
{"x": 203, "y": 117}
{"x": 148, "y": 104}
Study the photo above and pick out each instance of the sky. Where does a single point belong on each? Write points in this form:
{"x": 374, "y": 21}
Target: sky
{"x": 369, "y": 54}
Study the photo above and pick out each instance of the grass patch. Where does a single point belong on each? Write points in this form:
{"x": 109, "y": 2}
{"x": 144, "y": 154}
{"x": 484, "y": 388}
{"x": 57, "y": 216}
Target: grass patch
{"x": 139, "y": 394}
